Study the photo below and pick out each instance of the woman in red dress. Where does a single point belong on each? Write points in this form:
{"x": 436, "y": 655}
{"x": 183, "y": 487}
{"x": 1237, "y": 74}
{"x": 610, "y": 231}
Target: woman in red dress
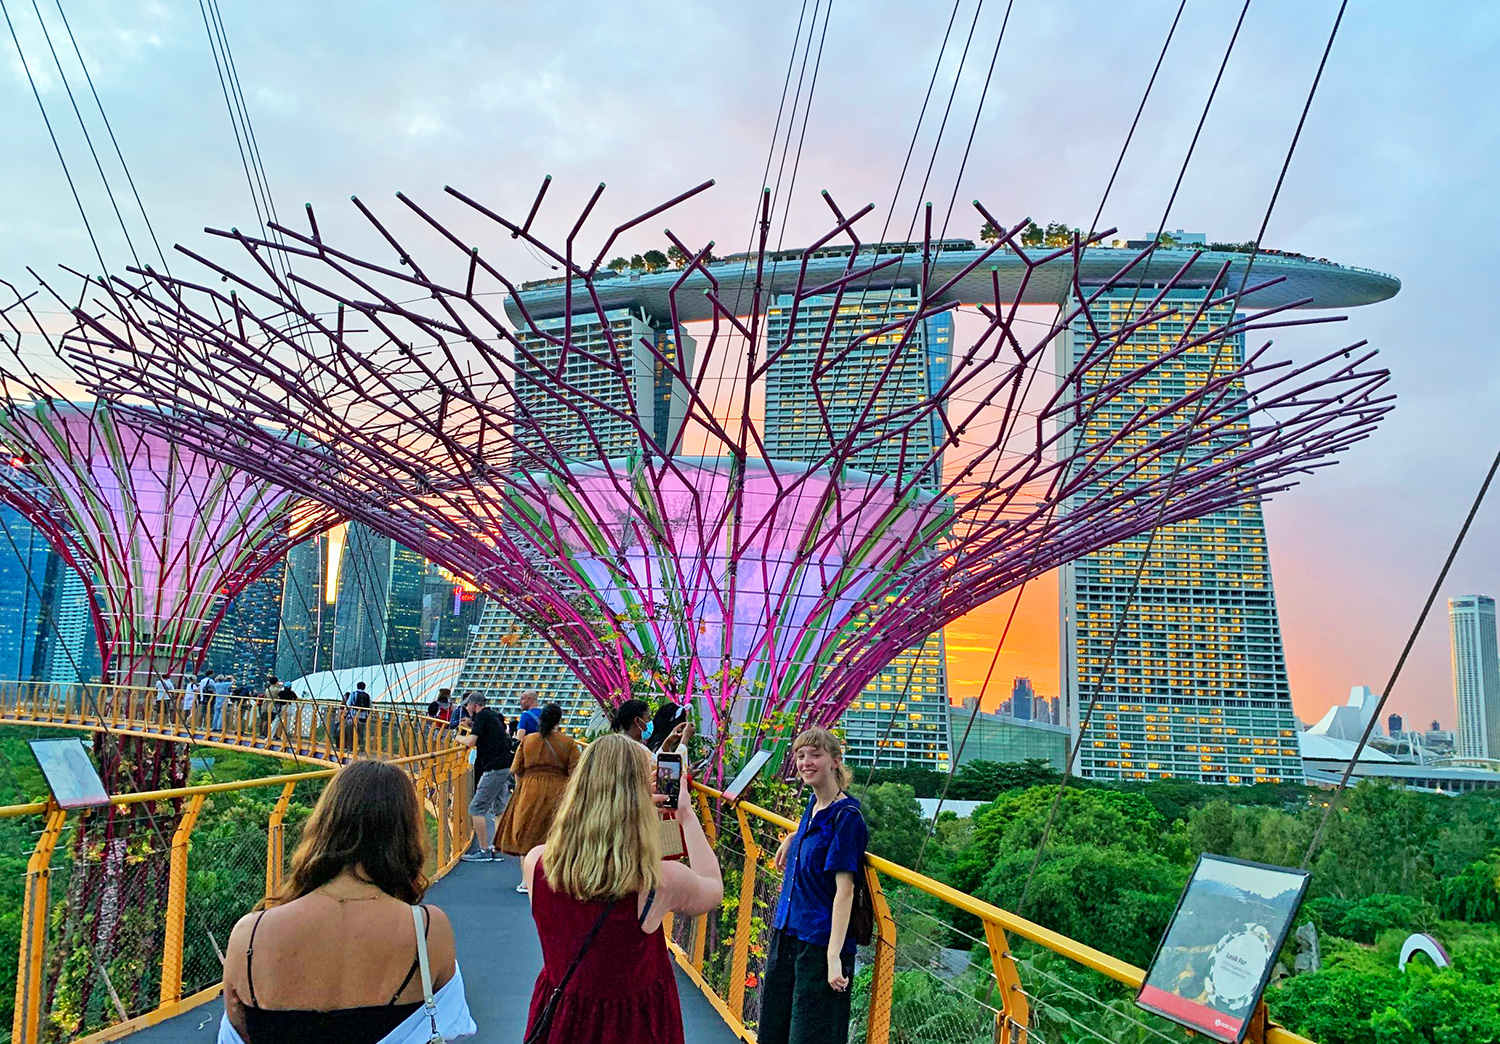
{"x": 600, "y": 889}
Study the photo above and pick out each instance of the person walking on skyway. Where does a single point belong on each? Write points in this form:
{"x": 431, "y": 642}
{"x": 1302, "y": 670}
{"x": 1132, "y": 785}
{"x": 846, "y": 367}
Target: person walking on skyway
{"x": 530, "y": 718}
{"x": 492, "y": 754}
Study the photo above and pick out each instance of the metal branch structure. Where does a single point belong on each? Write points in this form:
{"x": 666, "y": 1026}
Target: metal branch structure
{"x": 525, "y": 454}
{"x": 163, "y": 537}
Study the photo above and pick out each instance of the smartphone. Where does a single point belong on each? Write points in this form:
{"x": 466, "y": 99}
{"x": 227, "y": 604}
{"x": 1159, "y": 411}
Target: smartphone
{"x": 669, "y": 776}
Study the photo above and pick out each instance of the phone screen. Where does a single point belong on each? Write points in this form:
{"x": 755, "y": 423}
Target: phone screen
{"x": 669, "y": 777}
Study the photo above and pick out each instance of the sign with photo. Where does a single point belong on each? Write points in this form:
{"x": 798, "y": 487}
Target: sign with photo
{"x": 70, "y": 774}
{"x": 1216, "y": 956}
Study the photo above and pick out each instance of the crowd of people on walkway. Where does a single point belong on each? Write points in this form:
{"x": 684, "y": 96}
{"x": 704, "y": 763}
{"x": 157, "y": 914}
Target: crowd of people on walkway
{"x": 332, "y": 956}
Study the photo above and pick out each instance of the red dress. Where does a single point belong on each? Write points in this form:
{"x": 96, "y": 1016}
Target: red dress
{"x": 624, "y": 992}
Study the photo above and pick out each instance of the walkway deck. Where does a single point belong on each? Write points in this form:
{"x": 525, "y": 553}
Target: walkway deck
{"x": 498, "y": 949}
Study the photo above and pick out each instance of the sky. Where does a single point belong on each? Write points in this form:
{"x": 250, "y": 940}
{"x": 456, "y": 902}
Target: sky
{"x": 1396, "y": 171}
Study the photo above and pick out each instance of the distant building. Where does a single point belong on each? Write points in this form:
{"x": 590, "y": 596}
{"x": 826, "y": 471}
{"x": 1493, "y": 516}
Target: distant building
{"x": 1394, "y": 725}
{"x": 1347, "y": 721}
{"x": 978, "y": 736}
{"x": 1022, "y": 699}
{"x": 25, "y": 608}
{"x": 1476, "y": 676}
{"x": 304, "y": 644}
{"x": 72, "y": 648}
{"x": 506, "y": 658}
{"x": 450, "y": 614}
{"x": 378, "y": 616}
{"x": 245, "y": 643}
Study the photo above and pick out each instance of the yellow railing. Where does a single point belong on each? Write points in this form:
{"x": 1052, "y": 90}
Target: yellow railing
{"x": 123, "y": 927}
{"x": 913, "y": 989}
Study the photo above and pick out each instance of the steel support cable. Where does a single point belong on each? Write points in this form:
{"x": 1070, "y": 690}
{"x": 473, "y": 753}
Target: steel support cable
{"x": 1151, "y": 538}
{"x": 812, "y": 88}
{"x": 1463, "y": 532}
{"x": 25, "y": 66}
{"x": 978, "y": 111}
{"x": 119, "y": 154}
{"x": 83, "y": 126}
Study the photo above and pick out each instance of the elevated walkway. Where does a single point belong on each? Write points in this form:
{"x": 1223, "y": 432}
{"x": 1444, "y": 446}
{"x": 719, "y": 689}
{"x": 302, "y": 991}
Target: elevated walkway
{"x": 498, "y": 949}
{"x": 125, "y": 908}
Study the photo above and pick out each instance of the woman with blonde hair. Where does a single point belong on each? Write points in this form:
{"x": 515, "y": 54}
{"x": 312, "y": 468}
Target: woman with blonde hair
{"x": 599, "y": 892}
{"x": 543, "y": 761}
{"x": 805, "y": 996}
{"x": 345, "y": 952}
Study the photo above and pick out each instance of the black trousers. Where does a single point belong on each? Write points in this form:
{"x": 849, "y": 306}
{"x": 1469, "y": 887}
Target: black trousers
{"x": 797, "y": 1006}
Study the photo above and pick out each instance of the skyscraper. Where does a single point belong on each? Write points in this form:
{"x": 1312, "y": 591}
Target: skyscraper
{"x": 1196, "y": 686}
{"x": 1393, "y": 725}
{"x": 304, "y": 644}
{"x": 901, "y": 718}
{"x": 245, "y": 643}
{"x": 1022, "y": 698}
{"x": 378, "y": 616}
{"x": 504, "y": 657}
{"x": 1476, "y": 676}
{"x": 24, "y": 607}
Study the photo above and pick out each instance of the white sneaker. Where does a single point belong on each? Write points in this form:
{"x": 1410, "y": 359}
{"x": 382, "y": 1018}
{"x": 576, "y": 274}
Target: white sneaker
{"x": 522, "y": 888}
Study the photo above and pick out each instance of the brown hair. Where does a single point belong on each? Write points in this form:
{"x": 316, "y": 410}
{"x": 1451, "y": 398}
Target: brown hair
{"x": 367, "y": 820}
{"x": 829, "y": 744}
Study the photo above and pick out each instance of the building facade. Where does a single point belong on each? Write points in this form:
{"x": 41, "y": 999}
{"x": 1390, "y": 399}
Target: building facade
{"x": 979, "y": 736}
{"x": 378, "y": 615}
{"x": 1195, "y": 687}
{"x": 245, "y": 643}
{"x": 309, "y": 594}
{"x": 25, "y": 606}
{"x": 506, "y": 658}
{"x": 901, "y": 718}
{"x": 1476, "y": 676}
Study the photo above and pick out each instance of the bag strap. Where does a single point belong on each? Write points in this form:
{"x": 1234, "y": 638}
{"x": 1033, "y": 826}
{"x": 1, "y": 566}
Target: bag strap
{"x": 422, "y": 962}
{"x": 588, "y": 941}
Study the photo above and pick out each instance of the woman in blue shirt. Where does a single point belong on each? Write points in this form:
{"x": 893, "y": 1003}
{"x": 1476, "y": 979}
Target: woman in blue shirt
{"x": 805, "y": 999}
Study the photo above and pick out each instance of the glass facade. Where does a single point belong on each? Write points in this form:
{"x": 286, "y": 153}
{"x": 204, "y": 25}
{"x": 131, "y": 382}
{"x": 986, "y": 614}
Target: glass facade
{"x": 245, "y": 643}
{"x": 1197, "y": 685}
{"x": 1476, "y": 676}
{"x": 901, "y": 718}
{"x": 304, "y": 644}
{"x": 999, "y": 737}
{"x": 24, "y": 605}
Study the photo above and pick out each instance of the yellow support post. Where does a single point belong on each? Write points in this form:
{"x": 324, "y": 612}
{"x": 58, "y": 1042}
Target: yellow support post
{"x": 740, "y": 959}
{"x": 444, "y": 794}
{"x": 33, "y": 951}
{"x": 1015, "y": 1012}
{"x": 700, "y": 927}
{"x": 275, "y": 850}
{"x": 878, "y": 1025}
{"x": 172, "y": 938}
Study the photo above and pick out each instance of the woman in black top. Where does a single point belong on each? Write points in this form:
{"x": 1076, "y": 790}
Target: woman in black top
{"x": 334, "y": 955}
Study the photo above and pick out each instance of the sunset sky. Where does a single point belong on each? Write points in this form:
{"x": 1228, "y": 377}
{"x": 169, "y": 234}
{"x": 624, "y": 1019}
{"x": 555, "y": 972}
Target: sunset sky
{"x": 1396, "y": 171}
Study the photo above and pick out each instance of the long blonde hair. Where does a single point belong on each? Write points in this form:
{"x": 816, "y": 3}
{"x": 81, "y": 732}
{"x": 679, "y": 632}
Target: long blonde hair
{"x": 604, "y": 842}
{"x": 829, "y": 744}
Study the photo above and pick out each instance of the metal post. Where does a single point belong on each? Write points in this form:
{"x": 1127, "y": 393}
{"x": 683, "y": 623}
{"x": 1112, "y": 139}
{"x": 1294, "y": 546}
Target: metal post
{"x": 275, "y": 851}
{"x": 745, "y": 912}
{"x": 172, "y": 938}
{"x": 34, "y": 932}
{"x": 463, "y": 826}
{"x": 878, "y": 1024}
{"x": 700, "y": 925}
{"x": 1015, "y": 1012}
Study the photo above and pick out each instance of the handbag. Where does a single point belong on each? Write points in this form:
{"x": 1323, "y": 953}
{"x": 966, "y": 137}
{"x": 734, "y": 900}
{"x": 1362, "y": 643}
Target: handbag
{"x": 427, "y": 1001}
{"x": 862, "y": 912}
{"x": 543, "y": 1027}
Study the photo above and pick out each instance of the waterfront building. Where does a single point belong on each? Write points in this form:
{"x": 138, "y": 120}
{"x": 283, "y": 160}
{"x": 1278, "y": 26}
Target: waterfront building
{"x": 1476, "y": 677}
{"x": 1196, "y": 686}
{"x": 901, "y": 718}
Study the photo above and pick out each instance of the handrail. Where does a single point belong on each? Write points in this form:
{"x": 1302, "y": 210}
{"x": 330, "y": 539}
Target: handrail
{"x": 997, "y": 921}
{"x": 320, "y": 732}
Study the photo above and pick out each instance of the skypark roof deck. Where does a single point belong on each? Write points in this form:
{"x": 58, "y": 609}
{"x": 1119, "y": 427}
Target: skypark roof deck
{"x": 1328, "y": 285}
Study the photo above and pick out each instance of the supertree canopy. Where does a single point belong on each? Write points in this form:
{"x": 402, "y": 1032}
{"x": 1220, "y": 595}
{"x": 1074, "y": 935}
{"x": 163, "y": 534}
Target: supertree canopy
{"x": 162, "y": 536}
{"x": 691, "y": 558}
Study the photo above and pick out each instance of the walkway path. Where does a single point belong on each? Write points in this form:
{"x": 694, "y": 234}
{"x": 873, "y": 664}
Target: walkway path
{"x": 498, "y": 949}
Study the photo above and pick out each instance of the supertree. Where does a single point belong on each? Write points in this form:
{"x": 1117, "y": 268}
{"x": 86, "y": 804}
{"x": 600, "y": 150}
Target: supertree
{"x": 524, "y": 455}
{"x": 162, "y": 538}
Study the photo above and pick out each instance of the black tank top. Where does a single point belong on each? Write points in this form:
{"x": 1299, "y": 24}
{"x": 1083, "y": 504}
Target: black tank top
{"x": 366, "y": 1025}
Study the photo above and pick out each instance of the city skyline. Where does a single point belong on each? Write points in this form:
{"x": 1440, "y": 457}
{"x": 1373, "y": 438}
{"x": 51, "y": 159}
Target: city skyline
{"x": 1381, "y": 158}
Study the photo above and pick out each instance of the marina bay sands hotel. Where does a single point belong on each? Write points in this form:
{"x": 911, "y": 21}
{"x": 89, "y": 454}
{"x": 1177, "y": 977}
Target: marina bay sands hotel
{"x": 1197, "y": 686}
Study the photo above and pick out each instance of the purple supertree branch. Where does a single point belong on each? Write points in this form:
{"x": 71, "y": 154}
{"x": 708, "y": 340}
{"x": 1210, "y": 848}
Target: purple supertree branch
{"x": 683, "y": 545}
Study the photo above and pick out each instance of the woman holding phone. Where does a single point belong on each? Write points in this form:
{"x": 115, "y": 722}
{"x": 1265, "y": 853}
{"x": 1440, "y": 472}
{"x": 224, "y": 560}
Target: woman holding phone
{"x": 599, "y": 891}
{"x": 806, "y": 993}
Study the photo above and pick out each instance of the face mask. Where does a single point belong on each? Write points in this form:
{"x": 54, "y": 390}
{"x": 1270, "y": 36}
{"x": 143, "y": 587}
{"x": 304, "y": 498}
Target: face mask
{"x": 646, "y": 732}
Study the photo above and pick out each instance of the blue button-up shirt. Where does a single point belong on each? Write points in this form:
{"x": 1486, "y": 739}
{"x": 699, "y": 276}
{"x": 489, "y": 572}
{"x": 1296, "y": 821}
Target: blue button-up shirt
{"x": 825, "y": 844}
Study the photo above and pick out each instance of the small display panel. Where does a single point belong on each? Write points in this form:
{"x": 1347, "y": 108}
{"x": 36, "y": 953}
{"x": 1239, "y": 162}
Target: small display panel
{"x": 70, "y": 774}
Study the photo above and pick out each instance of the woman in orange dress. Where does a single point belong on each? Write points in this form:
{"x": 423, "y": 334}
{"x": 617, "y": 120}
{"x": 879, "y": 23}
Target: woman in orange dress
{"x": 544, "y": 760}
